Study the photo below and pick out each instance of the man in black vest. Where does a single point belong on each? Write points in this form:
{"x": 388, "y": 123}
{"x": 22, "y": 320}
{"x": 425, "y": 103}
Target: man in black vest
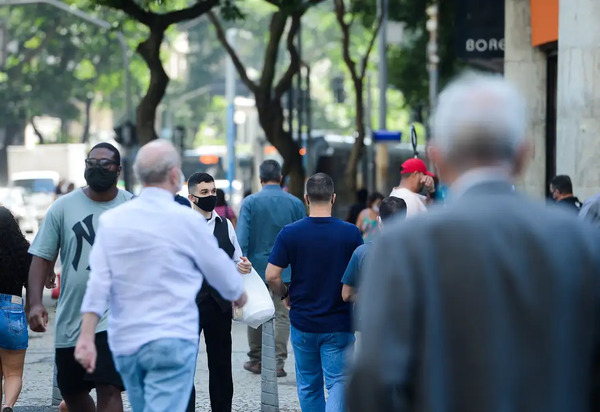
{"x": 216, "y": 312}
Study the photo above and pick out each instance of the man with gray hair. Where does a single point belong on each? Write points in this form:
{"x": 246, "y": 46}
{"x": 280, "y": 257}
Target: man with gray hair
{"x": 262, "y": 217}
{"x": 491, "y": 303}
{"x": 146, "y": 265}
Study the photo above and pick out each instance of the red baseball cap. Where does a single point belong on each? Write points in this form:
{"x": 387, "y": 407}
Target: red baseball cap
{"x": 415, "y": 165}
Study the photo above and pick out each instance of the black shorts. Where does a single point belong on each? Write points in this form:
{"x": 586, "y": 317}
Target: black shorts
{"x": 73, "y": 379}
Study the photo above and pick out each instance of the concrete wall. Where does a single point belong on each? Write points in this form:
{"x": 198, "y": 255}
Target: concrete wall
{"x": 526, "y": 67}
{"x": 578, "y": 127}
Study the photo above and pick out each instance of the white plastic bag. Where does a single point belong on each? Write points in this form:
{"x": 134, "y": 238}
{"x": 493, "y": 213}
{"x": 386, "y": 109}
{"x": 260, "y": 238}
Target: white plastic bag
{"x": 259, "y": 308}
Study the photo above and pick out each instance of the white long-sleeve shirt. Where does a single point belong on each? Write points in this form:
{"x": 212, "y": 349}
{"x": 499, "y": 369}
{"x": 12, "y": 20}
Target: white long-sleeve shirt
{"x": 148, "y": 262}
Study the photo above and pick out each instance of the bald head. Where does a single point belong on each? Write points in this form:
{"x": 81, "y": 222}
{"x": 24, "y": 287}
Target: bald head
{"x": 156, "y": 163}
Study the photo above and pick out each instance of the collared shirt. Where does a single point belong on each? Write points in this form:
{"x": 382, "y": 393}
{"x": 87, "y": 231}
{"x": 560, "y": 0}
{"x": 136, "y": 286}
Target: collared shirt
{"x": 415, "y": 203}
{"x": 232, "y": 236}
{"x": 476, "y": 176}
{"x": 147, "y": 265}
{"x": 262, "y": 217}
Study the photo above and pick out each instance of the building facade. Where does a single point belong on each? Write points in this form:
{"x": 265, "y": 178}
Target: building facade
{"x": 552, "y": 54}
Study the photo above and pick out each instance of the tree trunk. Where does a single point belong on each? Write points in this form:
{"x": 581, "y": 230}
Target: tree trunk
{"x": 37, "y": 131}
{"x": 9, "y": 135}
{"x": 347, "y": 192}
{"x": 86, "y": 127}
{"x": 271, "y": 118}
{"x": 146, "y": 111}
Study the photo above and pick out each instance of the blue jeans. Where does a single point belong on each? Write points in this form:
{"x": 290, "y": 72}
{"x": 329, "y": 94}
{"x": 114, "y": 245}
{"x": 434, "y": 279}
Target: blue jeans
{"x": 318, "y": 355}
{"x": 13, "y": 324}
{"x": 160, "y": 375}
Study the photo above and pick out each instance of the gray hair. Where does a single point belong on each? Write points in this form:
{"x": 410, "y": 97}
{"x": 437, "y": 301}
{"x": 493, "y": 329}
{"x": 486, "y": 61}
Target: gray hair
{"x": 480, "y": 117}
{"x": 154, "y": 161}
{"x": 269, "y": 171}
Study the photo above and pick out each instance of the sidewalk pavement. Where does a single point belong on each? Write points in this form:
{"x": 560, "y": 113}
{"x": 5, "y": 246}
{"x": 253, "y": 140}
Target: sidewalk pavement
{"x": 37, "y": 380}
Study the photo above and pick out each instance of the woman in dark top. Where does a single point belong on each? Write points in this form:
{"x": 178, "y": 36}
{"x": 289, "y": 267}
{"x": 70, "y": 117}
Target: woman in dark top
{"x": 14, "y": 268}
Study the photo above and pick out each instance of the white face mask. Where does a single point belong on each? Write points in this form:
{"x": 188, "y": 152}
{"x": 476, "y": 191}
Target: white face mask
{"x": 376, "y": 209}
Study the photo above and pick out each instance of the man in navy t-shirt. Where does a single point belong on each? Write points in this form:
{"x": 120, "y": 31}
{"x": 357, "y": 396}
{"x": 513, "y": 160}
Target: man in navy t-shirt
{"x": 318, "y": 249}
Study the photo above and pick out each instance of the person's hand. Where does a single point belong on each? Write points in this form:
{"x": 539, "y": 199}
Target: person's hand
{"x": 241, "y": 301}
{"x": 428, "y": 182}
{"x": 244, "y": 266}
{"x": 286, "y": 303}
{"x": 51, "y": 281}
{"x": 85, "y": 353}
{"x": 38, "y": 318}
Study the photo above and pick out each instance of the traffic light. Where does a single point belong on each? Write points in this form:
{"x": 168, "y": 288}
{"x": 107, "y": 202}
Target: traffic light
{"x": 337, "y": 86}
{"x": 126, "y": 134}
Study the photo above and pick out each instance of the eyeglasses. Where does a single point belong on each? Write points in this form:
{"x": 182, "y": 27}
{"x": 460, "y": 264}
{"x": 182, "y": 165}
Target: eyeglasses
{"x": 103, "y": 163}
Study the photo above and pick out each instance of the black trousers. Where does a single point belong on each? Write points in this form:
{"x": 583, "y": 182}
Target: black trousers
{"x": 216, "y": 325}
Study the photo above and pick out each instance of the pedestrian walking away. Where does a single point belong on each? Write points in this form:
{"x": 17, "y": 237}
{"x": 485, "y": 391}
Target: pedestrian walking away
{"x": 14, "y": 267}
{"x": 70, "y": 228}
{"x": 490, "y": 303}
{"x": 262, "y": 217}
{"x": 215, "y": 311}
{"x": 146, "y": 264}
{"x": 318, "y": 249}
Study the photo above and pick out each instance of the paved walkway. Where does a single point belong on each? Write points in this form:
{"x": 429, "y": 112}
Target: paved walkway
{"x": 37, "y": 386}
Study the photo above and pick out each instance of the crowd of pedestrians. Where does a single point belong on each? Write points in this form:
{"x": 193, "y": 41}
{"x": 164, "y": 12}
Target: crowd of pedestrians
{"x": 486, "y": 302}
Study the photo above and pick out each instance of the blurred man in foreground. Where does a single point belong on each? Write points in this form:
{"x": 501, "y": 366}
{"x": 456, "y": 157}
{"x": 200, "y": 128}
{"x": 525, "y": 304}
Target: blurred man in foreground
{"x": 492, "y": 303}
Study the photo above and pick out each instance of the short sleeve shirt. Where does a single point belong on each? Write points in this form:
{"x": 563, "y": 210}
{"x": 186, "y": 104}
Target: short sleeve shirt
{"x": 352, "y": 273}
{"x": 415, "y": 203}
{"x": 70, "y": 227}
{"x": 318, "y": 251}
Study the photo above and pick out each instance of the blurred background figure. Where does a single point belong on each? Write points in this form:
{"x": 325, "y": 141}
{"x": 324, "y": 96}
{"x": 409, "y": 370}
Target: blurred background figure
{"x": 416, "y": 183}
{"x": 561, "y": 190}
{"x": 367, "y": 219}
{"x": 390, "y": 207}
{"x": 471, "y": 307}
{"x": 14, "y": 268}
{"x": 590, "y": 211}
{"x": 223, "y": 209}
{"x": 360, "y": 205}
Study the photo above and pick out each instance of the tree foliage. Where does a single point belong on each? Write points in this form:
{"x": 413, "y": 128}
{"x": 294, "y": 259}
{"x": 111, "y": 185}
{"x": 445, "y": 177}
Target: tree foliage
{"x": 55, "y": 63}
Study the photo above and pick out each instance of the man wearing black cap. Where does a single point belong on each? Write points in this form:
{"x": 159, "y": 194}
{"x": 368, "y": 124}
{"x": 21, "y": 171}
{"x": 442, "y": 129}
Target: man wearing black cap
{"x": 415, "y": 178}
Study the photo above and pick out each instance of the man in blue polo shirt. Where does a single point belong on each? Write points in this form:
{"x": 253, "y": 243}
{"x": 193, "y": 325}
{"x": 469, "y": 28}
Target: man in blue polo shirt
{"x": 262, "y": 216}
{"x": 318, "y": 249}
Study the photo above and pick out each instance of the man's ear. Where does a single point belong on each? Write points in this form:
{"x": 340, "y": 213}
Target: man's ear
{"x": 333, "y": 198}
{"x": 306, "y": 200}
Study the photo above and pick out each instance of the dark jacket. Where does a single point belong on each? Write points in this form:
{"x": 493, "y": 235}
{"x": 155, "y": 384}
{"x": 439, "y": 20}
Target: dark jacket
{"x": 491, "y": 304}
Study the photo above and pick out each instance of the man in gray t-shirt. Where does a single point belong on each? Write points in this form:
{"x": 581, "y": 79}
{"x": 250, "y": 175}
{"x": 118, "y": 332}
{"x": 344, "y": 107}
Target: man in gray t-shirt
{"x": 70, "y": 228}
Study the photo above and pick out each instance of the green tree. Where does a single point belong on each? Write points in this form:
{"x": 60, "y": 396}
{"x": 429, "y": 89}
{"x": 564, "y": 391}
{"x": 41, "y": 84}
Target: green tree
{"x": 157, "y": 16}
{"x": 268, "y": 90}
{"x": 357, "y": 67}
{"x": 56, "y": 64}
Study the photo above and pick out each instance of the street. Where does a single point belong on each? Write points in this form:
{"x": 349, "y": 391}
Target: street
{"x": 37, "y": 380}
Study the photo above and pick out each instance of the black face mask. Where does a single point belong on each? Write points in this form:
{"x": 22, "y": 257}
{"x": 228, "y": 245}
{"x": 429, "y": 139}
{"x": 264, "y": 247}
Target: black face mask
{"x": 100, "y": 180}
{"x": 207, "y": 203}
